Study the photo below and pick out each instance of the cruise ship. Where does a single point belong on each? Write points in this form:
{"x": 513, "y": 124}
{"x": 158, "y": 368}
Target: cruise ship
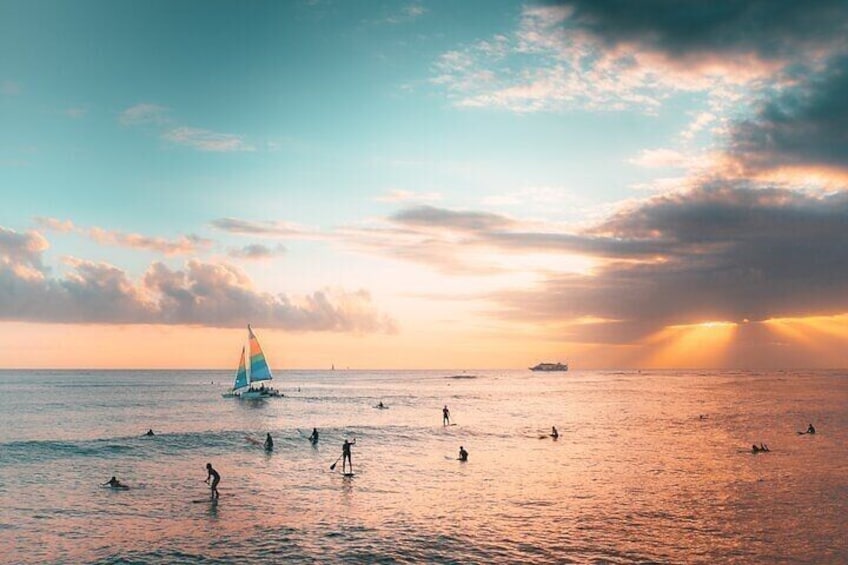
{"x": 550, "y": 367}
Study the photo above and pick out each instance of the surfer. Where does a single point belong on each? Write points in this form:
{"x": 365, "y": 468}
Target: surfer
{"x": 216, "y": 478}
{"x": 554, "y": 432}
{"x": 313, "y": 438}
{"x": 346, "y": 454}
{"x": 380, "y": 404}
{"x": 150, "y": 433}
{"x": 445, "y": 416}
{"x": 811, "y": 429}
{"x": 114, "y": 483}
{"x": 269, "y": 443}
{"x": 463, "y": 455}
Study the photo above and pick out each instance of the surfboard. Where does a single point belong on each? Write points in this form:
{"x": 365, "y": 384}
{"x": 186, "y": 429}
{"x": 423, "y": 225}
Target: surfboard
{"x": 121, "y": 487}
{"x": 348, "y": 475}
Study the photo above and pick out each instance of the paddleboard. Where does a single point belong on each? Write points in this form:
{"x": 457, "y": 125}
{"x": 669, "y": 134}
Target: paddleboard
{"x": 348, "y": 475}
{"x": 209, "y": 500}
{"x": 122, "y": 487}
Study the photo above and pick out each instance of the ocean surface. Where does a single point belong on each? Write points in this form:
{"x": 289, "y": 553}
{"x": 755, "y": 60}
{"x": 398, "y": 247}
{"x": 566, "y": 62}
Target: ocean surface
{"x": 650, "y": 467}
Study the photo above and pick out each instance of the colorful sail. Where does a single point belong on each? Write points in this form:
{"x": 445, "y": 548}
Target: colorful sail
{"x": 259, "y": 370}
{"x": 241, "y": 374}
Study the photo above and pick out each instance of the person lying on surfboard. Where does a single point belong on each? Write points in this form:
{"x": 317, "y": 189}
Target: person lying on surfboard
{"x": 216, "y": 478}
{"x": 114, "y": 483}
{"x": 463, "y": 455}
{"x": 269, "y": 443}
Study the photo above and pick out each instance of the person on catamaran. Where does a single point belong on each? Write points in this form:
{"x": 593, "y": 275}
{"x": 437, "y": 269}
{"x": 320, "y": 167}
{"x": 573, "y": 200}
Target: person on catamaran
{"x": 346, "y": 454}
{"x": 314, "y": 437}
{"x": 463, "y": 455}
{"x": 554, "y": 432}
{"x": 150, "y": 433}
{"x": 269, "y": 443}
{"x": 811, "y": 429}
{"x": 114, "y": 483}
{"x": 216, "y": 478}
{"x": 445, "y": 416}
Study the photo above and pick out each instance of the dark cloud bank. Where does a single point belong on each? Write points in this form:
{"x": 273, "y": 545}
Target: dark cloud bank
{"x": 720, "y": 252}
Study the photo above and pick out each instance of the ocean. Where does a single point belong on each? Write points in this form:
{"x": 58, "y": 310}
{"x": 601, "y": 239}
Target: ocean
{"x": 649, "y": 467}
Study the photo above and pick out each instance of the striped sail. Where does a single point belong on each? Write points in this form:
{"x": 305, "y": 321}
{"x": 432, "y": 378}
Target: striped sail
{"x": 259, "y": 370}
{"x": 241, "y": 374}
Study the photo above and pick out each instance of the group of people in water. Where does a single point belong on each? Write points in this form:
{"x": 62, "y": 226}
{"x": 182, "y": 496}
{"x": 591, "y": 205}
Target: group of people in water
{"x": 213, "y": 477}
{"x": 763, "y": 448}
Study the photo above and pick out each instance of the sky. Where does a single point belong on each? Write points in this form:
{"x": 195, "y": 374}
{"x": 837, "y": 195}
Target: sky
{"x": 424, "y": 184}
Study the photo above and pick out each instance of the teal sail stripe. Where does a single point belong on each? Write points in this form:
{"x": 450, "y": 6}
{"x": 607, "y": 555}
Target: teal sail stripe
{"x": 259, "y": 370}
{"x": 241, "y": 374}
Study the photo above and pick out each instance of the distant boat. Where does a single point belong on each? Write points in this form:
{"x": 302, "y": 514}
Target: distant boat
{"x": 550, "y": 367}
{"x": 257, "y": 372}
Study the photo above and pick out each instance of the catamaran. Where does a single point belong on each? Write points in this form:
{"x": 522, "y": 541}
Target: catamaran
{"x": 259, "y": 372}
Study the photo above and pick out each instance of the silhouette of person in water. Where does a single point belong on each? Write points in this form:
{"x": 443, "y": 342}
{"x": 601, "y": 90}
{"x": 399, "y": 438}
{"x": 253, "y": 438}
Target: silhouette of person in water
{"x": 761, "y": 448}
{"x": 269, "y": 443}
{"x": 445, "y": 415}
{"x": 380, "y": 405}
{"x": 114, "y": 483}
{"x": 314, "y": 436}
{"x": 346, "y": 454}
{"x": 554, "y": 432}
{"x": 463, "y": 455}
{"x": 216, "y": 478}
{"x": 150, "y": 433}
{"x": 811, "y": 429}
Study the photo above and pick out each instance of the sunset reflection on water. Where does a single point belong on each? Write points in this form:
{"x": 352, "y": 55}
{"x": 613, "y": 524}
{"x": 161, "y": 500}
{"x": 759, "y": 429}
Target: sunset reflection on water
{"x": 648, "y": 467}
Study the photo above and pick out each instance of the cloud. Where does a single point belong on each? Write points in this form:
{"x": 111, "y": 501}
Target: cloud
{"x": 21, "y": 252}
{"x": 804, "y": 126}
{"x": 610, "y": 55}
{"x": 720, "y": 252}
{"x": 661, "y": 158}
{"x": 398, "y": 195}
{"x": 142, "y": 114}
{"x": 770, "y": 29}
{"x": 407, "y": 14}
{"x": 430, "y": 216}
{"x": 207, "y": 294}
{"x": 206, "y": 140}
{"x": 184, "y": 245}
{"x": 724, "y": 250}
{"x": 269, "y": 229}
{"x": 196, "y": 138}
{"x": 257, "y": 252}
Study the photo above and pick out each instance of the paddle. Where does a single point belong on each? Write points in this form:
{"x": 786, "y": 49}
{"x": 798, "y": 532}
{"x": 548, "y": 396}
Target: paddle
{"x": 333, "y": 466}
